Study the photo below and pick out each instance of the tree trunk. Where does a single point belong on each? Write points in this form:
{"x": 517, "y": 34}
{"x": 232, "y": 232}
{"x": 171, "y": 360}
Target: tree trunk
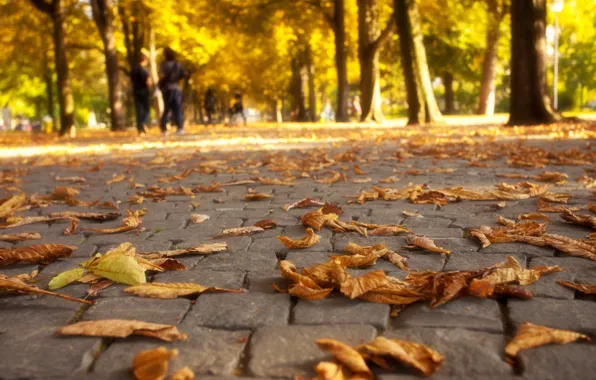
{"x": 312, "y": 95}
{"x": 369, "y": 33}
{"x": 422, "y": 104}
{"x": 103, "y": 14}
{"x": 341, "y": 61}
{"x": 298, "y": 89}
{"x": 529, "y": 101}
{"x": 486, "y": 101}
{"x": 49, "y": 82}
{"x": 449, "y": 95}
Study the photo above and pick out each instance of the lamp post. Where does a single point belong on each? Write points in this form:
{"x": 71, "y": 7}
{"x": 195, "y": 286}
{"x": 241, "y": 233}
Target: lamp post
{"x": 556, "y": 7}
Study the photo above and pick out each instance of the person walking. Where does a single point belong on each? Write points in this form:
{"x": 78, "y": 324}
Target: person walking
{"x": 237, "y": 109}
{"x": 171, "y": 72}
{"x": 140, "y": 78}
{"x": 210, "y": 105}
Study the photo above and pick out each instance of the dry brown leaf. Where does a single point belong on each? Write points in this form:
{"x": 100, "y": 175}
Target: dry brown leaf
{"x": 358, "y": 171}
{"x": 152, "y": 364}
{"x": 418, "y": 356}
{"x": 183, "y": 374}
{"x": 583, "y": 288}
{"x": 116, "y": 178}
{"x": 257, "y": 197}
{"x": 581, "y": 219}
{"x": 556, "y": 197}
{"x": 35, "y": 254}
{"x": 136, "y": 199}
{"x": 409, "y": 214}
{"x": 306, "y": 202}
{"x": 240, "y": 231}
{"x": 426, "y": 243}
{"x": 544, "y": 206}
{"x": 512, "y": 272}
{"x": 530, "y": 335}
{"x": 15, "y": 221}
{"x": 557, "y": 177}
{"x": 98, "y": 287}
{"x": 330, "y": 371}
{"x": 74, "y": 179}
{"x": 266, "y": 224}
{"x": 12, "y": 204}
{"x": 305, "y": 242}
{"x": 316, "y": 219}
{"x": 389, "y": 180}
{"x": 388, "y": 231}
{"x": 198, "y": 218}
{"x": 21, "y": 236}
{"x": 347, "y": 356}
{"x": 165, "y": 290}
{"x": 334, "y": 178}
{"x": 176, "y": 177}
{"x": 168, "y": 264}
{"x": 301, "y": 291}
{"x": 108, "y": 205}
{"x": 121, "y": 328}
{"x": 203, "y": 249}
{"x": 15, "y": 284}
{"x": 87, "y": 215}
{"x": 131, "y": 222}
{"x": 362, "y": 180}
{"x": 533, "y": 216}
{"x": 354, "y": 287}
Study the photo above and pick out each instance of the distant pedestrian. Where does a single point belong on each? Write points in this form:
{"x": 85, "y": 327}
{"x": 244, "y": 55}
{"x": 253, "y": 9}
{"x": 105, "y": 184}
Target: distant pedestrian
{"x": 237, "y": 109}
{"x": 171, "y": 72}
{"x": 210, "y": 105}
{"x": 141, "y": 80}
{"x": 357, "y": 107}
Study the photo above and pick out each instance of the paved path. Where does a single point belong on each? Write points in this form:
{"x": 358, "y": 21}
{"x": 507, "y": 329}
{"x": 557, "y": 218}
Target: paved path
{"x": 267, "y": 335}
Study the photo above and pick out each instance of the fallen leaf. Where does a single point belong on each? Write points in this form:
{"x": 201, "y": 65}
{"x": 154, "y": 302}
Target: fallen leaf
{"x": 118, "y": 268}
{"x": 583, "y": 288}
{"x": 71, "y": 179}
{"x": 198, "y": 218}
{"x": 306, "y": 242}
{"x": 131, "y": 222}
{"x": 165, "y": 290}
{"x": 120, "y": 328}
{"x": 152, "y": 364}
{"x": 108, "y": 205}
{"x": 412, "y": 214}
{"x": 65, "y": 278}
{"x": 389, "y": 180}
{"x": 557, "y": 177}
{"x": 169, "y": 264}
{"x": 530, "y": 335}
{"x": 426, "y": 243}
{"x": 14, "y": 221}
{"x": 358, "y": 171}
{"x": 533, "y": 216}
{"x": 306, "y": 202}
{"x": 13, "y": 284}
{"x": 21, "y": 236}
{"x": 347, "y": 356}
{"x": 183, "y": 374}
{"x": 301, "y": 291}
{"x": 418, "y": 356}
{"x": 87, "y": 215}
{"x": 354, "y": 287}
{"x": 257, "y": 197}
{"x": 266, "y": 224}
{"x": 35, "y": 254}
{"x": 116, "y": 179}
{"x": 203, "y": 249}
{"x": 556, "y": 197}
{"x": 335, "y": 177}
{"x": 98, "y": 287}
{"x": 388, "y": 231}
{"x": 240, "y": 231}
{"x": 12, "y": 204}
{"x": 581, "y": 219}
{"x": 544, "y": 206}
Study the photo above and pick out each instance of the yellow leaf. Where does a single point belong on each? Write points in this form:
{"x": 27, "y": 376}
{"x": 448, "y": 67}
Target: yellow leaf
{"x": 118, "y": 268}
{"x": 121, "y": 328}
{"x": 65, "y": 278}
{"x": 152, "y": 364}
{"x": 306, "y": 242}
{"x": 10, "y": 205}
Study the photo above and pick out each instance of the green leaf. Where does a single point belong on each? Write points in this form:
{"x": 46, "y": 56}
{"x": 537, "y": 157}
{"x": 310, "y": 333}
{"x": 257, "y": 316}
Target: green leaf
{"x": 122, "y": 269}
{"x": 65, "y": 278}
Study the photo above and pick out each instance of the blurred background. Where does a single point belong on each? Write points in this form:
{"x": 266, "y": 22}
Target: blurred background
{"x": 291, "y": 60}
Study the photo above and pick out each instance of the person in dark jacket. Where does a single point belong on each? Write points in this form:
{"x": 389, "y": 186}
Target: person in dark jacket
{"x": 171, "y": 72}
{"x": 140, "y": 84}
{"x": 237, "y": 109}
{"x": 210, "y": 105}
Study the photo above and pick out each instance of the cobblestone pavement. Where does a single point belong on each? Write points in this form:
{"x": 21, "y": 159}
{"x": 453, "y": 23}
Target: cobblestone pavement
{"x": 262, "y": 334}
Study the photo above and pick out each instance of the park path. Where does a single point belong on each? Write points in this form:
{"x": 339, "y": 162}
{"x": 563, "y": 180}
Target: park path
{"x": 263, "y": 334}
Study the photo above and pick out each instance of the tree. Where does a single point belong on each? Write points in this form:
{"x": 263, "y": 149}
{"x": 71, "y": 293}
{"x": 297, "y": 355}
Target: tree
{"x": 56, "y": 11}
{"x": 529, "y": 101}
{"x": 496, "y": 10}
{"x": 422, "y": 105}
{"x": 103, "y": 15}
{"x": 370, "y": 40}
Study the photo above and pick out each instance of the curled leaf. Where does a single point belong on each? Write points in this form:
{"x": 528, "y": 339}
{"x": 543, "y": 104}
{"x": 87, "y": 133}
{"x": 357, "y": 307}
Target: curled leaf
{"x": 87, "y": 215}
{"x": 306, "y": 202}
{"x": 183, "y": 374}
{"x": 306, "y": 242}
{"x": 152, "y": 364}
{"x": 240, "y": 231}
{"x": 21, "y": 236}
{"x": 346, "y": 355}
{"x": 203, "y": 249}
{"x": 426, "y": 243}
{"x": 530, "y": 335}
{"x": 198, "y": 218}
{"x": 266, "y": 224}
{"x": 583, "y": 288}
{"x": 35, "y": 254}
{"x": 12, "y": 204}
{"x": 257, "y": 196}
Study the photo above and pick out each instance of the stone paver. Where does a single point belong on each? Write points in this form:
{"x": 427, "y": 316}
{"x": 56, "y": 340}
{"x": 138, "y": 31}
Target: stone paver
{"x": 265, "y": 335}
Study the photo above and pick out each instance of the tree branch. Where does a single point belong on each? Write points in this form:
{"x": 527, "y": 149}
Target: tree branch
{"x": 43, "y": 6}
{"x": 385, "y": 33}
